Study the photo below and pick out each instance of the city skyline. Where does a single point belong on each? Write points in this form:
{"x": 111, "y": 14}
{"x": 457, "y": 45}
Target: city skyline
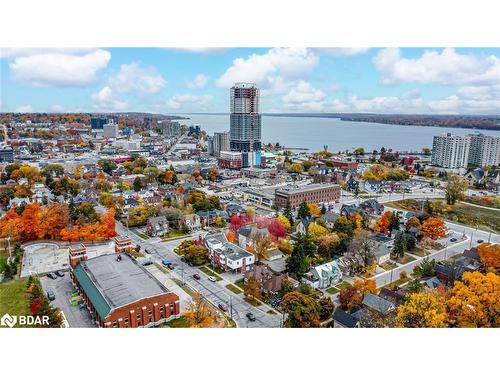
{"x": 301, "y": 80}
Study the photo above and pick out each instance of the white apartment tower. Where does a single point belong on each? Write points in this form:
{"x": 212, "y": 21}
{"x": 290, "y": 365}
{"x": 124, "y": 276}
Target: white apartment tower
{"x": 220, "y": 142}
{"x": 484, "y": 150}
{"x": 451, "y": 151}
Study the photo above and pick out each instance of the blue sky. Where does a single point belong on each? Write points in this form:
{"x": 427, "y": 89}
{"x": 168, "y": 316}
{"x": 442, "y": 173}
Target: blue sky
{"x": 407, "y": 80}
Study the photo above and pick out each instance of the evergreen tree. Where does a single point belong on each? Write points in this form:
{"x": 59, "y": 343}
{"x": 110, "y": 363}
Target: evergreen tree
{"x": 298, "y": 263}
{"x": 137, "y": 184}
{"x": 394, "y": 222}
{"x": 323, "y": 209}
{"x": 288, "y": 214}
{"x": 304, "y": 211}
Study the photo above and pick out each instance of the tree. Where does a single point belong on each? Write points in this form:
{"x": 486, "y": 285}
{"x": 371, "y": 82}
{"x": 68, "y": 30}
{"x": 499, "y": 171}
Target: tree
{"x": 413, "y": 222}
{"x": 455, "y": 189}
{"x": 314, "y": 209}
{"x": 298, "y": 262}
{"x": 343, "y": 225}
{"x": 382, "y": 224}
{"x": 326, "y": 308}
{"x": 151, "y": 173}
{"x": 285, "y": 222}
{"x": 423, "y": 310}
{"x": 304, "y": 211}
{"x": 137, "y": 184}
{"x": 394, "y": 222}
{"x": 350, "y": 298}
{"x": 285, "y": 246}
{"x": 426, "y": 268}
{"x": 250, "y": 213}
{"x": 359, "y": 151}
{"x": 107, "y": 199}
{"x": 302, "y": 310}
{"x": 107, "y": 165}
{"x": 490, "y": 256}
{"x": 295, "y": 168}
{"x": 261, "y": 247}
{"x": 360, "y": 253}
{"x": 402, "y": 243}
{"x": 315, "y": 230}
{"x": 434, "y": 228}
{"x": 474, "y": 302}
{"x": 288, "y": 214}
{"x": 199, "y": 314}
{"x": 252, "y": 289}
{"x": 276, "y": 227}
{"x": 328, "y": 244}
{"x": 53, "y": 218}
{"x": 196, "y": 254}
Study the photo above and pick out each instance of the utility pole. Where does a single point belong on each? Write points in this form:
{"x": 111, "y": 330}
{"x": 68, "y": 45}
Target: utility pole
{"x": 231, "y": 306}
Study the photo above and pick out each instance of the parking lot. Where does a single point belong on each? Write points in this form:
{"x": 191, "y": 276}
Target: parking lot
{"x": 77, "y": 317}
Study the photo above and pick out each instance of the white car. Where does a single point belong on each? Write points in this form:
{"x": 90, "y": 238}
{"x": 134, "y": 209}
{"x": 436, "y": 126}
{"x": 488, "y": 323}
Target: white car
{"x": 211, "y": 278}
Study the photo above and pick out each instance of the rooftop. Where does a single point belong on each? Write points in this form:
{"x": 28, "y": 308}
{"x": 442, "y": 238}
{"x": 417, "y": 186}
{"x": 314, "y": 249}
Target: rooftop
{"x": 311, "y": 187}
{"x": 113, "y": 280}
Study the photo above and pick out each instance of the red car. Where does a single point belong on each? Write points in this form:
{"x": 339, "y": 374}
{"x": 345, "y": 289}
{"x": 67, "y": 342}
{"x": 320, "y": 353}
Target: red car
{"x": 196, "y": 276}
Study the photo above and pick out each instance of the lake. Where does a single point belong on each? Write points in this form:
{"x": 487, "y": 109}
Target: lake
{"x": 312, "y": 133}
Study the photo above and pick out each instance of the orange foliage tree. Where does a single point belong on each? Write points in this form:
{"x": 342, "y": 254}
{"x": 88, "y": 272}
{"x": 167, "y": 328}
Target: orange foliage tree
{"x": 490, "y": 256}
{"x": 434, "y": 228}
{"x": 382, "y": 224}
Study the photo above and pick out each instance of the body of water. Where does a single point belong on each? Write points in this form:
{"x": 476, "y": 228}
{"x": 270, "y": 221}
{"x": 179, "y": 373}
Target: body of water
{"x": 313, "y": 133}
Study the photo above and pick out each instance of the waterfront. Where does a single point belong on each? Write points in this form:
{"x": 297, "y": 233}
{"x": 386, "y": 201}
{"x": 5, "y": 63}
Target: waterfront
{"x": 313, "y": 133}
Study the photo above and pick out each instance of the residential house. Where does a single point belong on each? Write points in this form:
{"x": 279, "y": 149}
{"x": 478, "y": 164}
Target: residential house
{"x": 342, "y": 319}
{"x": 157, "y": 226}
{"x": 329, "y": 218}
{"x": 227, "y": 255}
{"x": 270, "y": 281}
{"x": 208, "y": 218}
{"x": 303, "y": 225}
{"x": 396, "y": 297}
{"x": 324, "y": 275}
{"x": 383, "y": 246}
{"x": 372, "y": 207}
{"x": 192, "y": 221}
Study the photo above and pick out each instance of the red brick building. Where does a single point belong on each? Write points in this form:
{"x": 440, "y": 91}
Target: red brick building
{"x": 119, "y": 292}
{"x": 314, "y": 193}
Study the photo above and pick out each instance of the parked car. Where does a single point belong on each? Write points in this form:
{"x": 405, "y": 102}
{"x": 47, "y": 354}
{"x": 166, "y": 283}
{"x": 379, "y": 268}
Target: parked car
{"x": 480, "y": 241}
{"x": 196, "y": 276}
{"x": 222, "y": 307}
{"x": 190, "y": 264}
{"x": 184, "y": 260}
{"x": 211, "y": 278}
{"x": 50, "y": 275}
{"x": 147, "y": 263}
{"x": 50, "y": 295}
{"x": 165, "y": 262}
{"x": 171, "y": 266}
{"x": 453, "y": 239}
{"x": 251, "y": 316}
{"x": 59, "y": 273}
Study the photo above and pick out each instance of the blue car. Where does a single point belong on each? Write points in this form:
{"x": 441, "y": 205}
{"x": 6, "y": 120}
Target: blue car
{"x": 165, "y": 262}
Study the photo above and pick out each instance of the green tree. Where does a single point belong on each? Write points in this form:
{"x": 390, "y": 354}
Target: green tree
{"x": 302, "y": 311}
{"x": 298, "y": 262}
{"x": 107, "y": 165}
{"x": 304, "y": 211}
{"x": 288, "y": 214}
{"x": 402, "y": 243}
{"x": 455, "y": 189}
{"x": 137, "y": 184}
{"x": 426, "y": 268}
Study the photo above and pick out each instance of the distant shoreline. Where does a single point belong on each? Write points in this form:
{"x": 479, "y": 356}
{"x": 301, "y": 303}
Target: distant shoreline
{"x": 473, "y": 122}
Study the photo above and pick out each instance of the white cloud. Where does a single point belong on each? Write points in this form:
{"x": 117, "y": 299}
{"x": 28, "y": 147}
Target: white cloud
{"x": 447, "y": 68}
{"x": 57, "y": 108}
{"x": 276, "y": 65}
{"x": 181, "y": 100}
{"x": 58, "y": 68}
{"x": 197, "y": 82}
{"x": 105, "y": 100}
{"x": 202, "y": 49}
{"x": 9, "y": 53}
{"x": 412, "y": 102}
{"x": 304, "y": 97}
{"x": 343, "y": 51}
{"x": 133, "y": 77}
{"x": 24, "y": 109}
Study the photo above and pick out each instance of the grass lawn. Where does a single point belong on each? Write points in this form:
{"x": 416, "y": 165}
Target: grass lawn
{"x": 386, "y": 266}
{"x": 209, "y": 272}
{"x": 173, "y": 234}
{"x": 420, "y": 252}
{"x": 342, "y": 285}
{"x": 272, "y": 312}
{"x": 396, "y": 283}
{"x": 14, "y": 298}
{"x": 240, "y": 283}
{"x": 252, "y": 301}
{"x": 233, "y": 288}
{"x": 142, "y": 235}
{"x": 332, "y": 290}
{"x": 182, "y": 322}
{"x": 406, "y": 259}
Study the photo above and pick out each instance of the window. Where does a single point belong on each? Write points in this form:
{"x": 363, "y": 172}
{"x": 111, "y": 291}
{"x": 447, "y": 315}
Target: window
{"x": 125, "y": 320}
{"x": 114, "y": 324}
{"x": 150, "y": 313}
{"x": 161, "y": 309}
{"x": 138, "y": 316}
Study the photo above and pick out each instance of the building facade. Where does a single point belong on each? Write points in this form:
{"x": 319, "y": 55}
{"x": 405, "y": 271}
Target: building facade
{"x": 484, "y": 150}
{"x": 245, "y": 120}
{"x": 169, "y": 128}
{"x": 220, "y": 143}
{"x": 450, "y": 151}
{"x": 110, "y": 130}
{"x": 230, "y": 160}
{"x": 315, "y": 193}
{"x": 97, "y": 123}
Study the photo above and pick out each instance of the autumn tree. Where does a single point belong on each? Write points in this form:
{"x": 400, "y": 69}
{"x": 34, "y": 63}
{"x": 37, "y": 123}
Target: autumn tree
{"x": 315, "y": 230}
{"x": 423, "y": 310}
{"x": 302, "y": 310}
{"x": 490, "y": 256}
{"x": 261, "y": 246}
{"x": 314, "y": 209}
{"x": 326, "y": 308}
{"x": 434, "y": 228}
{"x": 413, "y": 222}
{"x": 474, "y": 301}
{"x": 52, "y": 219}
{"x": 196, "y": 254}
{"x": 285, "y": 222}
{"x": 252, "y": 289}
{"x": 276, "y": 228}
{"x": 327, "y": 245}
{"x": 455, "y": 189}
{"x": 382, "y": 224}
{"x": 199, "y": 313}
{"x": 361, "y": 252}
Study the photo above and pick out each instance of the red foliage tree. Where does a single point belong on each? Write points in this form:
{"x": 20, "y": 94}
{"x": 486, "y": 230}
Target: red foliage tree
{"x": 276, "y": 228}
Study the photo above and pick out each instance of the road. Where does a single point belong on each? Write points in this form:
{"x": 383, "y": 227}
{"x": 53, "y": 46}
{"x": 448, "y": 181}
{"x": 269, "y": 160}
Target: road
{"x": 215, "y": 292}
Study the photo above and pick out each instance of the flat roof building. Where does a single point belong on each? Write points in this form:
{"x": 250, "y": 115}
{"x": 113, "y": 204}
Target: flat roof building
{"x": 119, "y": 292}
{"x": 293, "y": 196}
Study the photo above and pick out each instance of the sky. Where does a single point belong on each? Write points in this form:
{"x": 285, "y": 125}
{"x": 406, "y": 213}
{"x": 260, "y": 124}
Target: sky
{"x": 302, "y": 80}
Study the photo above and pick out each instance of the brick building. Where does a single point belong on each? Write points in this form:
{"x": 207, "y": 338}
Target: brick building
{"x": 77, "y": 253}
{"x": 123, "y": 244}
{"x": 314, "y": 193}
{"x": 119, "y": 292}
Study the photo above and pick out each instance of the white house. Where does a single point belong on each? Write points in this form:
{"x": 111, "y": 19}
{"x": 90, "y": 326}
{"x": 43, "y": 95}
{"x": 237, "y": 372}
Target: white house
{"x": 324, "y": 275}
{"x": 227, "y": 255}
